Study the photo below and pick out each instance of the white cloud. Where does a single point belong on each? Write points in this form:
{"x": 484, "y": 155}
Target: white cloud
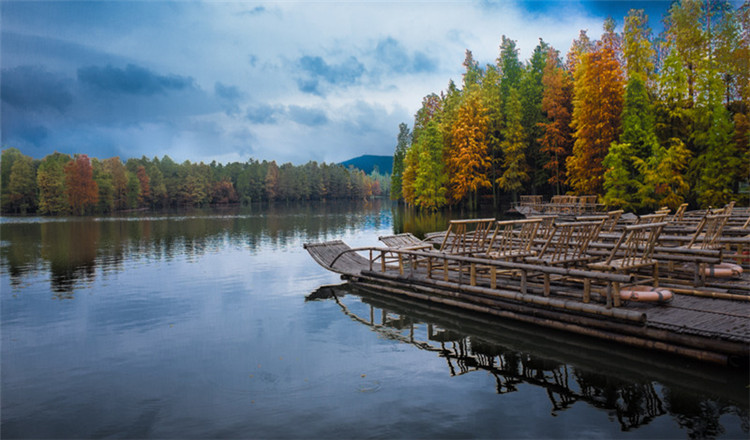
{"x": 290, "y": 81}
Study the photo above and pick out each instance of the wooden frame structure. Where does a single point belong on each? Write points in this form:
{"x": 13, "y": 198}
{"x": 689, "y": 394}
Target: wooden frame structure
{"x": 634, "y": 250}
{"x": 466, "y": 237}
{"x": 567, "y": 246}
{"x": 508, "y": 242}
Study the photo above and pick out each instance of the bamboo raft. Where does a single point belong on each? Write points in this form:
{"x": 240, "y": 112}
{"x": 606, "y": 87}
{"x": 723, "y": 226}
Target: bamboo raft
{"x": 509, "y": 271}
{"x": 478, "y": 342}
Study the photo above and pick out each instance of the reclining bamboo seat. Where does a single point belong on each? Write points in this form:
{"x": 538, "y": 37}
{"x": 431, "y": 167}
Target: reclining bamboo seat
{"x": 567, "y": 246}
{"x": 634, "y": 250}
{"x": 513, "y": 239}
{"x": 466, "y": 237}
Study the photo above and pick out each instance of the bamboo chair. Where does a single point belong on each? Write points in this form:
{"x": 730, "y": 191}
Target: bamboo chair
{"x": 586, "y": 204}
{"x": 567, "y": 246}
{"x": 547, "y": 227}
{"x": 679, "y": 213}
{"x": 729, "y": 207}
{"x": 531, "y": 201}
{"x": 610, "y": 219}
{"x": 633, "y": 251}
{"x": 406, "y": 241}
{"x": 510, "y": 243}
{"x": 467, "y": 236}
{"x": 657, "y": 217}
{"x": 706, "y": 237}
{"x": 708, "y": 232}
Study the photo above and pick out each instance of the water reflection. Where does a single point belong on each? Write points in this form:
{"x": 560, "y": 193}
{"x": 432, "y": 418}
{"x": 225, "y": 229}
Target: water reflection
{"x": 70, "y": 251}
{"x": 636, "y": 387}
{"x": 419, "y": 223}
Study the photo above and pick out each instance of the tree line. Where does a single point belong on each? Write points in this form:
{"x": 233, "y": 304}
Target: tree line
{"x": 60, "y": 184}
{"x": 640, "y": 121}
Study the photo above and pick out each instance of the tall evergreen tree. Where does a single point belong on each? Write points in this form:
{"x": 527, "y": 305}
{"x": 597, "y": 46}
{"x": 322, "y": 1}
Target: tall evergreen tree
{"x": 402, "y": 145}
{"x": 491, "y": 101}
{"x": 531, "y": 94}
{"x": 515, "y": 169}
{"x": 22, "y": 189}
{"x": 430, "y": 185}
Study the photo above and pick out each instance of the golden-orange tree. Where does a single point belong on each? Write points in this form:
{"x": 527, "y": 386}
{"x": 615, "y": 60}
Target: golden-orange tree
{"x": 557, "y": 105}
{"x": 597, "y": 108}
{"x": 468, "y": 158}
{"x": 83, "y": 192}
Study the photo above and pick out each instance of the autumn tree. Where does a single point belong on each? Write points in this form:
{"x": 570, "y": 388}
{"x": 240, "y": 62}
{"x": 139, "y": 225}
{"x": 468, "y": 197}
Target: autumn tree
{"x": 557, "y": 104}
{"x": 223, "y": 192}
{"x": 625, "y": 162}
{"x": 469, "y": 159}
{"x": 81, "y": 189}
{"x": 597, "y": 108}
{"x": 272, "y": 181}
{"x": 144, "y": 186}
{"x": 411, "y": 168}
{"x": 50, "y": 179}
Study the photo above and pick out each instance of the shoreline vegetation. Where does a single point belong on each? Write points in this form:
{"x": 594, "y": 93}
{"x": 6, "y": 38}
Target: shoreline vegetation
{"x": 637, "y": 120}
{"x": 63, "y": 185}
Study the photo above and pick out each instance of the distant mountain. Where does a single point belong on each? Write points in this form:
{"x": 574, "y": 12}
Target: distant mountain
{"x": 367, "y": 162}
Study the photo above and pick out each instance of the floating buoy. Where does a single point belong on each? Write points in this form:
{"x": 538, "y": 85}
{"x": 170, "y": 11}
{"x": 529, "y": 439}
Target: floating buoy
{"x": 723, "y": 270}
{"x": 646, "y": 294}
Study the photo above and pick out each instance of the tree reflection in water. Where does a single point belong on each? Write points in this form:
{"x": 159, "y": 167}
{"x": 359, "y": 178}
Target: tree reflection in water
{"x": 71, "y": 250}
{"x": 515, "y": 354}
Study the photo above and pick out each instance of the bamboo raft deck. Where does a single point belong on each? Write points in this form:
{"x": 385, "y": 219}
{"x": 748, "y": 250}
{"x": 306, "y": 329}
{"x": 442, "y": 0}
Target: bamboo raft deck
{"x": 711, "y": 323}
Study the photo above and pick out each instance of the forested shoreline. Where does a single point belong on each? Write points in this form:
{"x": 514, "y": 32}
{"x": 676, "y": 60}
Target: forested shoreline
{"x": 60, "y": 184}
{"x": 638, "y": 120}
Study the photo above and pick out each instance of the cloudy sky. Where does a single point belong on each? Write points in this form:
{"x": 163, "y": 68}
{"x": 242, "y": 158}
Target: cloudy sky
{"x": 233, "y": 80}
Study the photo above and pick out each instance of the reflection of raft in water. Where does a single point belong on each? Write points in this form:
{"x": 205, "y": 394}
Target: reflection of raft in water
{"x": 706, "y": 325}
{"x": 571, "y": 368}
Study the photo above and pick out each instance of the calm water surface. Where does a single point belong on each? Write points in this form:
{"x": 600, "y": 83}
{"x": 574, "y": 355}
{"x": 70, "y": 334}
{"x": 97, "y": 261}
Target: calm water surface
{"x": 209, "y": 324}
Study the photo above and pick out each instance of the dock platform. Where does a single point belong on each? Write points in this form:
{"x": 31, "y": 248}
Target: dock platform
{"x": 711, "y": 324}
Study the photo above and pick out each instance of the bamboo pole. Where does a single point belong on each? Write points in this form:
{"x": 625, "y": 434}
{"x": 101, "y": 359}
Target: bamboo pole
{"x": 700, "y": 342}
{"x": 597, "y": 333}
{"x": 577, "y": 306}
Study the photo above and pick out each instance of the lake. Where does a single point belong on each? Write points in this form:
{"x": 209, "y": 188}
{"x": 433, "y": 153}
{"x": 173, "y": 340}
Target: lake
{"x": 217, "y": 323}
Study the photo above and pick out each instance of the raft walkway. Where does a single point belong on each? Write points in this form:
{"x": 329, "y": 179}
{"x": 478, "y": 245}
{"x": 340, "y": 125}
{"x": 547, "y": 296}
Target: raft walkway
{"x": 695, "y": 325}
